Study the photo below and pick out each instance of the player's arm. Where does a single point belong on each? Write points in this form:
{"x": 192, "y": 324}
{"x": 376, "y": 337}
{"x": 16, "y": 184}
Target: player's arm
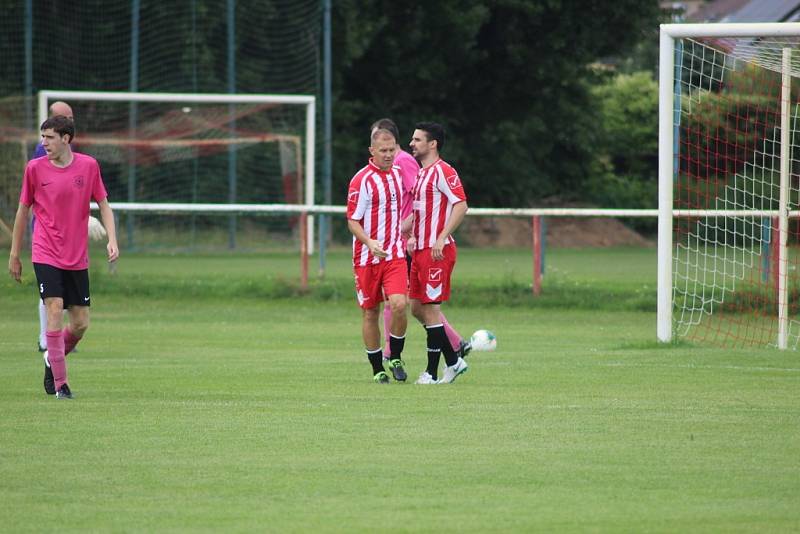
{"x": 373, "y": 245}
{"x": 456, "y": 216}
{"x": 406, "y": 225}
{"x": 108, "y": 221}
{"x": 20, "y": 222}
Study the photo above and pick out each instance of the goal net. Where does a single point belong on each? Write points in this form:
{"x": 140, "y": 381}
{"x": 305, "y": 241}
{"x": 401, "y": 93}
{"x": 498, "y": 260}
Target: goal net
{"x": 728, "y": 225}
{"x": 174, "y": 165}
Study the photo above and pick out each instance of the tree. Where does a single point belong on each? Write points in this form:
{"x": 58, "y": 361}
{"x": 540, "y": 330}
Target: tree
{"x": 510, "y": 80}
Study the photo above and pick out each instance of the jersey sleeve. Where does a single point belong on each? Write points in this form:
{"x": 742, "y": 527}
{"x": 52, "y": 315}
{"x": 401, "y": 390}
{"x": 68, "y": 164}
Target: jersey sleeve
{"x": 99, "y": 192}
{"x": 357, "y": 199}
{"x": 450, "y": 185}
{"x": 28, "y": 186}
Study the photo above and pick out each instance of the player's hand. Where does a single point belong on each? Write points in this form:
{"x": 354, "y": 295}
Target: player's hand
{"x": 15, "y": 268}
{"x": 113, "y": 252}
{"x": 411, "y": 243}
{"x": 96, "y": 229}
{"x": 437, "y": 250}
{"x": 375, "y": 247}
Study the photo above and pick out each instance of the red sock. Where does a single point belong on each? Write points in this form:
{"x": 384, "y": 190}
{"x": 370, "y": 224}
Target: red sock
{"x": 69, "y": 340}
{"x": 55, "y": 355}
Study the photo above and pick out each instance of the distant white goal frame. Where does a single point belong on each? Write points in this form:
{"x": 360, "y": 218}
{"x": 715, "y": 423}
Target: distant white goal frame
{"x": 45, "y": 97}
{"x": 669, "y": 33}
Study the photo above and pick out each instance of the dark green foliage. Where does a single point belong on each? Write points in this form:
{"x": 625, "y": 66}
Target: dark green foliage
{"x": 625, "y": 172}
{"x": 509, "y": 79}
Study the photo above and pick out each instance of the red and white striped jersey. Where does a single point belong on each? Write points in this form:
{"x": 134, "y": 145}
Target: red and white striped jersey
{"x": 374, "y": 199}
{"x": 437, "y": 190}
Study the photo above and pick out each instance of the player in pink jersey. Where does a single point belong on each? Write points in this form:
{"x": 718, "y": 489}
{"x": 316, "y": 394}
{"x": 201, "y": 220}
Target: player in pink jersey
{"x": 409, "y": 168}
{"x": 439, "y": 207}
{"x": 60, "y": 188}
{"x": 95, "y": 228}
{"x": 373, "y": 216}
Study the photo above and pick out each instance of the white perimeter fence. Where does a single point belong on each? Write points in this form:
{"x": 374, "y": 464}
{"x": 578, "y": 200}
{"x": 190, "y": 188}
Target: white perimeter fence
{"x": 308, "y": 211}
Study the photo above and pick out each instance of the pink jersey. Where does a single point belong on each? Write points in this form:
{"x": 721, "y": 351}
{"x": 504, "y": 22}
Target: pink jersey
{"x": 373, "y": 199}
{"x": 437, "y": 190}
{"x": 60, "y": 199}
{"x": 409, "y": 169}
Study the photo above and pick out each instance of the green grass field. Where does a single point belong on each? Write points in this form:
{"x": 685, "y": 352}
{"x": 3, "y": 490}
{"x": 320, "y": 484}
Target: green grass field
{"x": 242, "y": 412}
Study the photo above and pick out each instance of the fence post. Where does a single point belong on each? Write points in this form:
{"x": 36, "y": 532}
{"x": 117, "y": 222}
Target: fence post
{"x": 303, "y": 250}
{"x": 537, "y": 255}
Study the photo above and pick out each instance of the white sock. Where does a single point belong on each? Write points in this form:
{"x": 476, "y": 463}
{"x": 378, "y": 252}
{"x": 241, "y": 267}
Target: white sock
{"x": 42, "y": 324}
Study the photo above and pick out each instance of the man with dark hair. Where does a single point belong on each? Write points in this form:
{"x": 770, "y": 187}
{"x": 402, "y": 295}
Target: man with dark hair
{"x": 59, "y": 188}
{"x": 96, "y": 230}
{"x": 439, "y": 207}
{"x": 409, "y": 168}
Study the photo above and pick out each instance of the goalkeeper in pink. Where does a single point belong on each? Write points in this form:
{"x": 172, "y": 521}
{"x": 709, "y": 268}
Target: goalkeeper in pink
{"x": 409, "y": 169}
{"x": 60, "y": 188}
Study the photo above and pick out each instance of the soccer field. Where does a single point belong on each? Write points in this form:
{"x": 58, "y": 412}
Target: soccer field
{"x": 242, "y": 412}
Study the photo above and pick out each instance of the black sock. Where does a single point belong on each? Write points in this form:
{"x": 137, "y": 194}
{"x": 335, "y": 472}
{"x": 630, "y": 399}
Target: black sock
{"x": 448, "y": 350}
{"x": 396, "y": 345}
{"x": 434, "y": 349}
{"x": 440, "y": 341}
{"x": 375, "y": 358}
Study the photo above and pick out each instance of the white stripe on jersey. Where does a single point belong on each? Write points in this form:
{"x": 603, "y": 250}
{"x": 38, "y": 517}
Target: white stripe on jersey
{"x": 378, "y": 211}
{"x": 434, "y": 199}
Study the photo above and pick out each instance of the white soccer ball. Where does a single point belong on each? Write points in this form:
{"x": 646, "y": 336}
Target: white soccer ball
{"x": 483, "y": 340}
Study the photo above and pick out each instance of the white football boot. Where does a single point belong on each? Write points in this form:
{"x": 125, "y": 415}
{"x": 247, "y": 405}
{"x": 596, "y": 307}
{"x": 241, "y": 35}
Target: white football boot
{"x": 452, "y": 372}
{"x": 425, "y": 378}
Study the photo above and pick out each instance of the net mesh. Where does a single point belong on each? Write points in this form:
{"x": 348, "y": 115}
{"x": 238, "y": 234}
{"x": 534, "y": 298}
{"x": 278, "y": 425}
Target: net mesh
{"x": 169, "y": 152}
{"x": 727, "y": 154}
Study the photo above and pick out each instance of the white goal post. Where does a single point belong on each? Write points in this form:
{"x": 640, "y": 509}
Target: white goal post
{"x": 47, "y": 97}
{"x": 697, "y": 64}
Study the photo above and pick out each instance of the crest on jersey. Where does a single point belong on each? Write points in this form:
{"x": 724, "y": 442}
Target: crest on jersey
{"x": 435, "y": 275}
{"x": 78, "y": 181}
{"x": 454, "y": 181}
{"x": 352, "y": 196}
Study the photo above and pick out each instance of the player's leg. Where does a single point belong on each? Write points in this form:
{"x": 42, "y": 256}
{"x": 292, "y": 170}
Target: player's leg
{"x": 55, "y": 373}
{"x": 455, "y": 364}
{"x": 74, "y": 331}
{"x": 460, "y": 346}
{"x": 371, "y": 334}
{"x": 77, "y": 299}
{"x": 387, "y": 328}
{"x": 397, "y": 335}
{"x": 395, "y": 285}
{"x": 415, "y": 295}
{"x": 428, "y": 314}
{"x": 51, "y": 291}
{"x": 369, "y": 296}
{"x": 42, "y": 326}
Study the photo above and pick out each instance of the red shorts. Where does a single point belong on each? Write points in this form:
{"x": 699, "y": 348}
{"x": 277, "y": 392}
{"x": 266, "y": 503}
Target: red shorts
{"x": 377, "y": 280}
{"x": 430, "y": 280}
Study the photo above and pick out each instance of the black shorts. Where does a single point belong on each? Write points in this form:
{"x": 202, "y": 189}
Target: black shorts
{"x": 72, "y": 286}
